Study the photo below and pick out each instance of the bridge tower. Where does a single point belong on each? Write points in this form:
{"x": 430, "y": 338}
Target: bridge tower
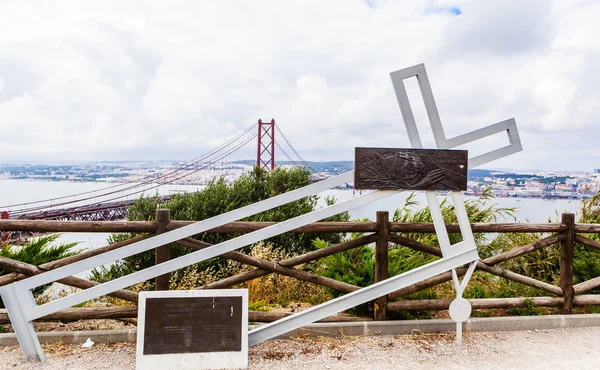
{"x": 265, "y": 157}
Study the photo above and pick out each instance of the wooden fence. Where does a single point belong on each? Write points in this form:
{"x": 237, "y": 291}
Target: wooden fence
{"x": 382, "y": 233}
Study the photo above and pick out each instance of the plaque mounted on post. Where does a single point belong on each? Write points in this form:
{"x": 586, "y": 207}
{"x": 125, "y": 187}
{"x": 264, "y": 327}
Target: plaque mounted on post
{"x": 410, "y": 169}
{"x": 197, "y": 329}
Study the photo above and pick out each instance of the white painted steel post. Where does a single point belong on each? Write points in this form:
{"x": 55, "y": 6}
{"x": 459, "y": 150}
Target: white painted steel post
{"x": 22, "y": 309}
{"x": 14, "y": 301}
{"x": 186, "y": 231}
{"x": 357, "y": 297}
{"x": 199, "y": 256}
{"x": 27, "y": 310}
{"x": 457, "y": 312}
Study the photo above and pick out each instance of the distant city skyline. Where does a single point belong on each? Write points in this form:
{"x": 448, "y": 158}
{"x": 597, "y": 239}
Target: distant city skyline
{"x": 100, "y": 162}
{"x": 114, "y": 80}
{"x": 150, "y": 175}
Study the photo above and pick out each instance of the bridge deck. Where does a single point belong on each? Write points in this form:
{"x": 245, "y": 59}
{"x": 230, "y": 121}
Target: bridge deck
{"x": 110, "y": 211}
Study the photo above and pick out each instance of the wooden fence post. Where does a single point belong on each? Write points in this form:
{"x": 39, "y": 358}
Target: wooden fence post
{"x": 163, "y": 253}
{"x": 381, "y": 261}
{"x": 566, "y": 262}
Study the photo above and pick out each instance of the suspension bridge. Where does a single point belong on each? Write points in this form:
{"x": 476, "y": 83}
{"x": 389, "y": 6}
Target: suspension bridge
{"x": 259, "y": 144}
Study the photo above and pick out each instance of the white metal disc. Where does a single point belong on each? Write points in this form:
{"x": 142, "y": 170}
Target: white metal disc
{"x": 460, "y": 310}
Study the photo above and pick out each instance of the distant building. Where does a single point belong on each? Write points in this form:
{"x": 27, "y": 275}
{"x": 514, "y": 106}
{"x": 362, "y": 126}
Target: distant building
{"x": 596, "y": 170}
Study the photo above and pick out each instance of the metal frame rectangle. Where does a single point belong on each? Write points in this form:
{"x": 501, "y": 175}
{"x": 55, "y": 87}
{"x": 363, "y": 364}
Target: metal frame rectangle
{"x": 204, "y": 360}
{"x": 23, "y": 308}
{"x": 435, "y": 122}
{"x": 360, "y": 296}
{"x": 214, "y": 251}
{"x": 184, "y": 232}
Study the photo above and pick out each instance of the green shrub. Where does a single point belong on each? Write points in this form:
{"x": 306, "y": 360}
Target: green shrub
{"x": 37, "y": 251}
{"x": 475, "y": 291}
{"x": 481, "y": 313}
{"x": 219, "y": 197}
{"x": 530, "y": 309}
{"x": 480, "y": 209}
{"x": 259, "y": 306}
{"x": 357, "y": 266}
{"x": 592, "y": 309}
{"x": 586, "y": 263}
{"x": 542, "y": 264}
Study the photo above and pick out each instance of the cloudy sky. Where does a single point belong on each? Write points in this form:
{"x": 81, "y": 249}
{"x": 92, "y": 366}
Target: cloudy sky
{"x": 126, "y": 80}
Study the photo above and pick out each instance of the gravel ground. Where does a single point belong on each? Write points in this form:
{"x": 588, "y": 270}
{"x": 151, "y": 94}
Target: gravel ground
{"x": 545, "y": 349}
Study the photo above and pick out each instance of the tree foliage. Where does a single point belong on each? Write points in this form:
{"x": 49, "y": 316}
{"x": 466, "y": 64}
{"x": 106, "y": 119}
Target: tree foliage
{"x": 218, "y": 197}
{"x": 586, "y": 262}
{"x": 37, "y": 251}
{"x": 357, "y": 266}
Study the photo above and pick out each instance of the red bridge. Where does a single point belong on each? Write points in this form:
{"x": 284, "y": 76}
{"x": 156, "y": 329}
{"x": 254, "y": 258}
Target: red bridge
{"x": 111, "y": 211}
{"x": 112, "y": 202}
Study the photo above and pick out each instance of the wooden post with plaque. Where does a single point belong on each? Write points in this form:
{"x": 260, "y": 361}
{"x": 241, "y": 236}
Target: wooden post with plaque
{"x": 195, "y": 329}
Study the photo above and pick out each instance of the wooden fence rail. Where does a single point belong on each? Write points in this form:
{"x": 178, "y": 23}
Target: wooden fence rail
{"x": 52, "y": 226}
{"x": 383, "y": 233}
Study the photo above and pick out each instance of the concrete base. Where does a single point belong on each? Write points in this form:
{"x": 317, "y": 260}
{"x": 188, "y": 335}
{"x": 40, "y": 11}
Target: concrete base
{"x": 437, "y": 326}
{"x": 75, "y": 337}
{"x": 351, "y": 328}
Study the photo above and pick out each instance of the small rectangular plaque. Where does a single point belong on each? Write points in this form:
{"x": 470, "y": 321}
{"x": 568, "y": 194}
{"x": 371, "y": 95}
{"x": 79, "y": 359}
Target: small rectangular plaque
{"x": 410, "y": 169}
{"x": 196, "y": 329}
{"x": 191, "y": 325}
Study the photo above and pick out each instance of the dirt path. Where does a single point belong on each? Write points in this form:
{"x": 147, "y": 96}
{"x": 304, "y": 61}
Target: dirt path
{"x": 546, "y": 349}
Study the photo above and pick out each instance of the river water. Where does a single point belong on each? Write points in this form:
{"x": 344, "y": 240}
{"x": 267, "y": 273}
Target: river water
{"x": 21, "y": 191}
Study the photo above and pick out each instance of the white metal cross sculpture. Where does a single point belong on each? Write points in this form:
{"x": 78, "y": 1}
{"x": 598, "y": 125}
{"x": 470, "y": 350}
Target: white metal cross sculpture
{"x": 22, "y": 308}
{"x": 460, "y": 309}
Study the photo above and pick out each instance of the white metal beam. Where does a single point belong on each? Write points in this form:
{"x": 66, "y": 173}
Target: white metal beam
{"x": 184, "y": 232}
{"x": 442, "y": 142}
{"x": 510, "y": 126}
{"x": 22, "y": 308}
{"x": 355, "y": 298}
{"x": 32, "y": 313}
{"x": 14, "y": 301}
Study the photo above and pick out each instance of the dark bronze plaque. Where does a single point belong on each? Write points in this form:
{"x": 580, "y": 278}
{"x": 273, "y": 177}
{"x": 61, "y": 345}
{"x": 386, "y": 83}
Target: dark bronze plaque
{"x": 192, "y": 325}
{"x": 410, "y": 169}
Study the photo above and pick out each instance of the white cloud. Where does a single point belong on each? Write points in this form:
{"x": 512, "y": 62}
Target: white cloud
{"x": 154, "y": 79}
{"x": 501, "y": 28}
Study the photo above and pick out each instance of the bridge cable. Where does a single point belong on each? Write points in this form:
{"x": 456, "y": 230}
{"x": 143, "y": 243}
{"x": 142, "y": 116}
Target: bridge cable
{"x": 150, "y": 179}
{"x": 289, "y": 144}
{"x": 156, "y": 186}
